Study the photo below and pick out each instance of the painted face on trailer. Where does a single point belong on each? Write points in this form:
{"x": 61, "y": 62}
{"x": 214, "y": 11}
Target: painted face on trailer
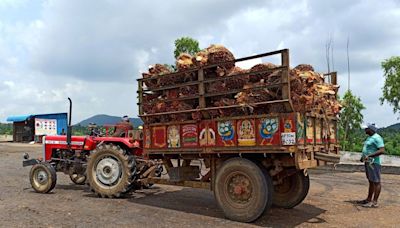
{"x": 268, "y": 127}
{"x": 225, "y": 130}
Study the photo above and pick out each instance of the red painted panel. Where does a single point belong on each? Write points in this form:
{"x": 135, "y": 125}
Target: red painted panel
{"x": 246, "y": 132}
{"x": 207, "y": 135}
{"x": 189, "y": 135}
{"x": 268, "y": 131}
{"x": 226, "y": 133}
{"x": 159, "y": 136}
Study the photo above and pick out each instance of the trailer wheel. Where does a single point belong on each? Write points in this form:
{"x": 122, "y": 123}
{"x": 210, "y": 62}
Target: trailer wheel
{"x": 43, "y": 177}
{"x": 77, "y": 178}
{"x": 110, "y": 171}
{"x": 292, "y": 191}
{"x": 242, "y": 190}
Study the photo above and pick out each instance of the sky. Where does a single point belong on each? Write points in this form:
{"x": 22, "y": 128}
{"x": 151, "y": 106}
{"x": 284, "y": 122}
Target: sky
{"x": 94, "y": 50}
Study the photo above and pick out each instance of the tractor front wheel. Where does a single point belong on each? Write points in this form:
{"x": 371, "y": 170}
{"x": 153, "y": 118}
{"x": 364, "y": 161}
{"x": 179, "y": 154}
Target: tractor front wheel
{"x": 43, "y": 177}
{"x": 110, "y": 171}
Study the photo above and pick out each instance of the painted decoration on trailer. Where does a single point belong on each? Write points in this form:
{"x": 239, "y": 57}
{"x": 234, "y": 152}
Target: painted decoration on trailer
{"x": 310, "y": 130}
{"x": 318, "y": 131}
{"x": 226, "y": 131}
{"x": 267, "y": 128}
{"x": 300, "y": 128}
{"x": 159, "y": 136}
{"x": 207, "y": 136}
{"x": 324, "y": 132}
{"x": 189, "y": 135}
{"x": 332, "y": 132}
{"x": 174, "y": 139}
{"x": 147, "y": 138}
{"x": 246, "y": 133}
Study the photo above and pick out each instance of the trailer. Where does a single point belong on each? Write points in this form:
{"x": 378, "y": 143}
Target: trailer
{"x": 249, "y": 161}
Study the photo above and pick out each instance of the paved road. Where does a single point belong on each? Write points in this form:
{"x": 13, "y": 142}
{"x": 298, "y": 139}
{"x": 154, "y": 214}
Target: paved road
{"x": 328, "y": 203}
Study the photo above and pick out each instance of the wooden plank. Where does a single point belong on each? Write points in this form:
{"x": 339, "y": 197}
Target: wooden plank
{"x": 334, "y": 78}
{"x": 306, "y": 164}
{"x": 140, "y": 97}
{"x": 202, "y": 91}
{"x": 191, "y": 184}
{"x": 285, "y": 79}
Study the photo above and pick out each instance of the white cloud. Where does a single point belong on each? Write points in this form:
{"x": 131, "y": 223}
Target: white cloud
{"x": 93, "y": 51}
{"x": 12, "y": 3}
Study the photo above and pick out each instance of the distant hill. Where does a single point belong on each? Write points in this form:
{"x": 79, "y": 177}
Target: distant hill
{"x": 106, "y": 119}
{"x": 394, "y": 127}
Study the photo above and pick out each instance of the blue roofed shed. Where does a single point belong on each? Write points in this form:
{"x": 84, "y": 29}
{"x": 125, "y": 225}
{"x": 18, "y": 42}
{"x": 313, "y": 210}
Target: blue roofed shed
{"x": 32, "y": 127}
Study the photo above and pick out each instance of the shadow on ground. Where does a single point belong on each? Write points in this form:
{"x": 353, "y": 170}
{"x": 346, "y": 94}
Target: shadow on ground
{"x": 73, "y": 187}
{"x": 202, "y": 202}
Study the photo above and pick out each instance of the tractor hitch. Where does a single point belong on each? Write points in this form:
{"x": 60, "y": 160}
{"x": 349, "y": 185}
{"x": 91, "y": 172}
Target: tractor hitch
{"x": 29, "y": 162}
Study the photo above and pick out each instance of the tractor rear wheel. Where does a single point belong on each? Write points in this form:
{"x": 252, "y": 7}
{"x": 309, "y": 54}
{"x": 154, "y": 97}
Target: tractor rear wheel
{"x": 292, "y": 191}
{"x": 242, "y": 190}
{"x": 43, "y": 177}
{"x": 110, "y": 171}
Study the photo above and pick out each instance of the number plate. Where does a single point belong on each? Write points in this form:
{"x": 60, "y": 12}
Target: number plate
{"x": 288, "y": 138}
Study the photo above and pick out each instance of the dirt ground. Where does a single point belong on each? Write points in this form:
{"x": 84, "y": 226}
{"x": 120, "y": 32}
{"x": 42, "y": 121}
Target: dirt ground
{"x": 328, "y": 203}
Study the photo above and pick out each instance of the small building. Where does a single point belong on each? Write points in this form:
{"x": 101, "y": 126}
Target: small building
{"x": 33, "y": 127}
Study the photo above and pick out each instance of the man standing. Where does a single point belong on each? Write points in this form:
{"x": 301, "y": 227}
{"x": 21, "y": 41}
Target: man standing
{"x": 373, "y": 148}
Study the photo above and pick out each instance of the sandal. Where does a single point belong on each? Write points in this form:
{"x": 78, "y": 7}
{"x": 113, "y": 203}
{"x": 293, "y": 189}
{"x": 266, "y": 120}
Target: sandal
{"x": 370, "y": 205}
{"x": 362, "y": 202}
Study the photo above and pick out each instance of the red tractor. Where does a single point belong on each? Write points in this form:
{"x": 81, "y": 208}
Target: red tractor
{"x": 116, "y": 163}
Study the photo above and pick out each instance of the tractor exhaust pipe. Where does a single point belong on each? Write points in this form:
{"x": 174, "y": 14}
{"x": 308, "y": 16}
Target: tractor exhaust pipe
{"x": 69, "y": 127}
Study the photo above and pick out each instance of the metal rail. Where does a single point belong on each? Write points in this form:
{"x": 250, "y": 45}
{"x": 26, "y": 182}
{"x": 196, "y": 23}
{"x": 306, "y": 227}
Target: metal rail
{"x": 220, "y": 63}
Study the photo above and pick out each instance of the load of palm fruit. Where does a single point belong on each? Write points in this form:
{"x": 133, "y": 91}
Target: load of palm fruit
{"x": 245, "y": 91}
{"x": 152, "y": 81}
{"x": 309, "y": 92}
{"x": 216, "y": 54}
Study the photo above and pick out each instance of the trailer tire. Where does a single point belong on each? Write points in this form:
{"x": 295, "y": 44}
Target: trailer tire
{"x": 292, "y": 191}
{"x": 43, "y": 177}
{"x": 110, "y": 171}
{"x": 242, "y": 190}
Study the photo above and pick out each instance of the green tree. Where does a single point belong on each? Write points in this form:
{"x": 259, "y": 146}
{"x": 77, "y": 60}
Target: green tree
{"x": 186, "y": 45}
{"x": 350, "y": 120}
{"x": 6, "y": 129}
{"x": 391, "y": 88}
